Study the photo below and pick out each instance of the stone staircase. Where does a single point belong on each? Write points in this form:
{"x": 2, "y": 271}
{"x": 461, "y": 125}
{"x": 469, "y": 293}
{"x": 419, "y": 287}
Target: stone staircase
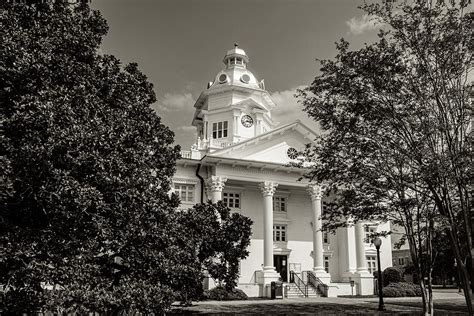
{"x": 292, "y": 291}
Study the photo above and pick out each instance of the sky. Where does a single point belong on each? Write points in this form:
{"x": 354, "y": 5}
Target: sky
{"x": 180, "y": 44}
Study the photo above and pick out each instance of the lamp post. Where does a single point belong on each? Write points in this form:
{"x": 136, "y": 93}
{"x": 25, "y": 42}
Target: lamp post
{"x": 378, "y": 242}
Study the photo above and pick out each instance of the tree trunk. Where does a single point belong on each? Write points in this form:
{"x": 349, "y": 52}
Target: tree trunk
{"x": 466, "y": 285}
{"x": 463, "y": 274}
{"x": 424, "y": 298}
{"x": 430, "y": 294}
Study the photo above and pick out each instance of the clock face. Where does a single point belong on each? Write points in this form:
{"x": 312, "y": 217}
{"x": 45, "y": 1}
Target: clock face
{"x": 247, "y": 120}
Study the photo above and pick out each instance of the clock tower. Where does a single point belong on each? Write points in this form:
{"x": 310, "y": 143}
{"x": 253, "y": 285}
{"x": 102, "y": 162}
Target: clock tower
{"x": 234, "y": 107}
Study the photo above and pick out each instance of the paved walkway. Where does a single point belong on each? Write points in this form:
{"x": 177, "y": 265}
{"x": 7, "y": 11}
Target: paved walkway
{"x": 446, "y": 302}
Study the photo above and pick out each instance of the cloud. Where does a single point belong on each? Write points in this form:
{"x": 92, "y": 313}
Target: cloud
{"x": 176, "y": 110}
{"x": 288, "y": 109}
{"x": 359, "y": 25}
{"x": 187, "y": 129}
{"x": 174, "y": 102}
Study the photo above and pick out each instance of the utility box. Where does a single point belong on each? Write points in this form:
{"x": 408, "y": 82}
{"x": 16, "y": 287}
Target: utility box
{"x": 276, "y": 290}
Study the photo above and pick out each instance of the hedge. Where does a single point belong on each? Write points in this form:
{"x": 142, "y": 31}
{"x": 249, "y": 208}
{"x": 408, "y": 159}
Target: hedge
{"x": 401, "y": 289}
{"x": 221, "y": 294}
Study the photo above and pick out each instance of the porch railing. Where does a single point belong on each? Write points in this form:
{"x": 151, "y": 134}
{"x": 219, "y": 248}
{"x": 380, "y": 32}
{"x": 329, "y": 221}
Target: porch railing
{"x": 316, "y": 283}
{"x": 295, "y": 278}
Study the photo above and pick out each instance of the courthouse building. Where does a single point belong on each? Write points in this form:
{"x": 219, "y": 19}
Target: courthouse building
{"x": 241, "y": 156}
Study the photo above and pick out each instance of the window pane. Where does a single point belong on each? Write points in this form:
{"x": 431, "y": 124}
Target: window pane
{"x": 225, "y": 124}
{"x": 214, "y": 126}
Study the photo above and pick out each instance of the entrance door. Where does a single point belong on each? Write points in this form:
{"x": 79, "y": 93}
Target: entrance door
{"x": 281, "y": 266}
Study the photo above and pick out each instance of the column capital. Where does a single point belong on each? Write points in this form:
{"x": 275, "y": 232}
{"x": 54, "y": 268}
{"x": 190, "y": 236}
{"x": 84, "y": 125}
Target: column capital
{"x": 268, "y": 188}
{"x": 215, "y": 183}
{"x": 315, "y": 191}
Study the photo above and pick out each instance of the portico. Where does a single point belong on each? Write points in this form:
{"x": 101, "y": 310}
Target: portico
{"x": 258, "y": 185}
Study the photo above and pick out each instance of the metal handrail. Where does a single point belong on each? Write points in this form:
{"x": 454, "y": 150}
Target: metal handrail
{"x": 303, "y": 287}
{"x": 316, "y": 283}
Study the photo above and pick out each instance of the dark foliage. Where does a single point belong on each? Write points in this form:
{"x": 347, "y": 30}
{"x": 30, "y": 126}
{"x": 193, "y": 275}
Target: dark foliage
{"x": 221, "y": 294}
{"x": 86, "y": 222}
{"x": 219, "y": 240}
{"x": 402, "y": 289}
{"x": 391, "y": 275}
{"x": 397, "y": 135}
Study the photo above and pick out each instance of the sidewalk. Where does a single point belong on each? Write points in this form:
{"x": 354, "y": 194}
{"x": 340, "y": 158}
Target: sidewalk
{"x": 446, "y": 302}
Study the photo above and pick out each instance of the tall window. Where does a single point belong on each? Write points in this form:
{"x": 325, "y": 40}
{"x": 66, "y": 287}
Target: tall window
{"x": 371, "y": 264}
{"x": 325, "y": 237}
{"x": 369, "y": 230}
{"x": 185, "y": 192}
{"x": 219, "y": 129}
{"x": 279, "y": 204}
{"x": 326, "y": 264}
{"x": 232, "y": 200}
{"x": 279, "y": 233}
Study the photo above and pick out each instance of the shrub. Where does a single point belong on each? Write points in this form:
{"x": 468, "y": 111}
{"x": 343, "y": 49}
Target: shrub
{"x": 391, "y": 275}
{"x": 221, "y": 294}
{"x": 401, "y": 289}
{"x": 390, "y": 291}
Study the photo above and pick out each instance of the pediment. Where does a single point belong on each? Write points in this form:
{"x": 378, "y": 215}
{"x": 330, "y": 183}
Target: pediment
{"x": 249, "y": 104}
{"x": 272, "y": 146}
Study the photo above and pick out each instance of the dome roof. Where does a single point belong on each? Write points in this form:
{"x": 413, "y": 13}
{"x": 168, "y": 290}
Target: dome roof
{"x": 236, "y": 73}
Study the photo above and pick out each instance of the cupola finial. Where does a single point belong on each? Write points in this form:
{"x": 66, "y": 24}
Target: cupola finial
{"x": 236, "y": 45}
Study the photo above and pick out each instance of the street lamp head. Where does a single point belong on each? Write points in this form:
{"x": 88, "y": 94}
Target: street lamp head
{"x": 377, "y": 242}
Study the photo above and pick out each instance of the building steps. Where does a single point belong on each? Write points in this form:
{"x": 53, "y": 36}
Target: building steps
{"x": 292, "y": 291}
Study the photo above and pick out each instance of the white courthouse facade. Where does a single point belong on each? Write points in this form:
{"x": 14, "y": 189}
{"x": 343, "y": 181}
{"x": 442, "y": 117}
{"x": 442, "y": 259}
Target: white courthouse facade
{"x": 241, "y": 156}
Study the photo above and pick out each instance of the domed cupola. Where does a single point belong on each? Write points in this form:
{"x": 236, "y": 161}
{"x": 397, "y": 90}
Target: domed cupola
{"x": 234, "y": 107}
{"x": 235, "y": 72}
{"x": 236, "y": 58}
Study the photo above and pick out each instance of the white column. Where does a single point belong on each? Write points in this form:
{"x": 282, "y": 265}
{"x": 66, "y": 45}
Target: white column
{"x": 206, "y": 127}
{"x": 318, "y": 258}
{"x": 360, "y": 248}
{"x": 315, "y": 192}
{"x": 268, "y": 189}
{"x": 362, "y": 277}
{"x": 350, "y": 266}
{"x": 236, "y": 124}
{"x": 214, "y": 187}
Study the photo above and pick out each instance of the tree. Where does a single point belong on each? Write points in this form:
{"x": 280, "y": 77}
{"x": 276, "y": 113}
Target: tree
{"x": 86, "y": 222}
{"x": 396, "y": 120}
{"x": 218, "y": 239}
